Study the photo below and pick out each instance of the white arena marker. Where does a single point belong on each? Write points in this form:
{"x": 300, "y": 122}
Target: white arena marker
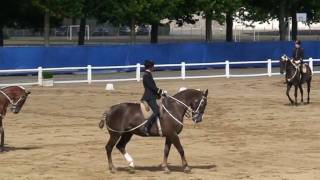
{"x": 109, "y": 87}
{"x": 182, "y": 89}
{"x": 47, "y": 82}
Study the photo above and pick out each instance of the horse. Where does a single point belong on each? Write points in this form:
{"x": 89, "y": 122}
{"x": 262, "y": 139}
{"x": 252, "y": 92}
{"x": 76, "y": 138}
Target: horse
{"x": 125, "y": 119}
{"x": 15, "y": 96}
{"x": 295, "y": 78}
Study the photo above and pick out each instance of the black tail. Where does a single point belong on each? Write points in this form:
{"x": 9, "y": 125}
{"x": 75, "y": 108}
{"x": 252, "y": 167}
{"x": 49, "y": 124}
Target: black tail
{"x": 103, "y": 120}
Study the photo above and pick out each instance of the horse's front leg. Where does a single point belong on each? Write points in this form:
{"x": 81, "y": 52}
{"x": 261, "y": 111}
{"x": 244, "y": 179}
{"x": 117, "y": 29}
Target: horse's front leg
{"x": 2, "y": 135}
{"x": 289, "y": 85}
{"x": 167, "y": 147}
{"x": 301, "y": 92}
{"x": 296, "y": 95}
{"x": 176, "y": 142}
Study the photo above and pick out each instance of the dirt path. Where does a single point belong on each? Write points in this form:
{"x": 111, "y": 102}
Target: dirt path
{"x": 248, "y": 133}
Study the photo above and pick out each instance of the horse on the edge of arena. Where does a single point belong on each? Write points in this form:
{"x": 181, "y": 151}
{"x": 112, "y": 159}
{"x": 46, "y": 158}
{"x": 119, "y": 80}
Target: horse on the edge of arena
{"x": 14, "y": 96}
{"x": 125, "y": 119}
{"x": 295, "y": 78}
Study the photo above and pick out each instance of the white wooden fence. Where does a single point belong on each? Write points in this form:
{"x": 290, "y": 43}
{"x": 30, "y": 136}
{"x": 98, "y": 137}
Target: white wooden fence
{"x": 182, "y": 66}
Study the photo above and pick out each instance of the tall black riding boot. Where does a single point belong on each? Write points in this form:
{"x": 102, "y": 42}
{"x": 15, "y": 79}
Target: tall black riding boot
{"x": 148, "y": 125}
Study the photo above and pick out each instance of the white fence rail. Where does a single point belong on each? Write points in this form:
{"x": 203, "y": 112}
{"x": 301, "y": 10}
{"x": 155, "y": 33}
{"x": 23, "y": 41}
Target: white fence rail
{"x": 89, "y": 71}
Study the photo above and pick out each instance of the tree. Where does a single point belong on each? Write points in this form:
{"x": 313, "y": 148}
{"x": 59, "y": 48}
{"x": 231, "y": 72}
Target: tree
{"x": 136, "y": 12}
{"x": 231, "y": 8}
{"x": 265, "y": 11}
{"x": 18, "y": 13}
{"x": 211, "y": 10}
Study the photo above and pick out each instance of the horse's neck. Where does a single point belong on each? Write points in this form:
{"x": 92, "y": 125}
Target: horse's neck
{"x": 4, "y": 103}
{"x": 177, "y": 108}
{"x": 290, "y": 68}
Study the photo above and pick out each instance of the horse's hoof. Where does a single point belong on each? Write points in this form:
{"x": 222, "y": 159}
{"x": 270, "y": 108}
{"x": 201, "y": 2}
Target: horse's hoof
{"x": 131, "y": 170}
{"x": 113, "y": 170}
{"x": 187, "y": 170}
{"x": 166, "y": 170}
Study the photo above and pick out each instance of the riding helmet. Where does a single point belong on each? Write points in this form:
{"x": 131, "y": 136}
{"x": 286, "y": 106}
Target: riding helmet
{"x": 148, "y": 64}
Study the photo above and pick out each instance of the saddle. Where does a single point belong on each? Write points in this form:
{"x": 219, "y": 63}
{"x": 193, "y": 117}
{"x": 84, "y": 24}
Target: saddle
{"x": 303, "y": 68}
{"x": 147, "y": 112}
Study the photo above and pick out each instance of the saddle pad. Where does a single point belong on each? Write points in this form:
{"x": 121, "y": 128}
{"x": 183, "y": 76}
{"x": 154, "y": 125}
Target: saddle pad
{"x": 304, "y": 68}
{"x": 146, "y": 110}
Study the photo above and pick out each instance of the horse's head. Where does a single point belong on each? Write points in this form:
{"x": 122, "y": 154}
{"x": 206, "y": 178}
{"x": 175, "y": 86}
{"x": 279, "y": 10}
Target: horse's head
{"x": 283, "y": 62}
{"x": 198, "y": 106}
{"x": 17, "y": 96}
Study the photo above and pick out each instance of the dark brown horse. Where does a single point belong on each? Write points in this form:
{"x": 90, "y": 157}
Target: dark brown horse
{"x": 295, "y": 78}
{"x": 124, "y": 120}
{"x": 14, "y": 96}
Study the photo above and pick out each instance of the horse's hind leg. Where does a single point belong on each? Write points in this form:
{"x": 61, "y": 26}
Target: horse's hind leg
{"x": 114, "y": 137}
{"x": 2, "y": 135}
{"x": 301, "y": 92}
{"x": 309, "y": 87}
{"x": 176, "y": 142}
{"x": 167, "y": 147}
{"x": 125, "y": 138}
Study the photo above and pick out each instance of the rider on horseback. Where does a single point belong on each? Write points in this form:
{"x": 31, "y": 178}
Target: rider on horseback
{"x": 298, "y": 55}
{"x": 151, "y": 94}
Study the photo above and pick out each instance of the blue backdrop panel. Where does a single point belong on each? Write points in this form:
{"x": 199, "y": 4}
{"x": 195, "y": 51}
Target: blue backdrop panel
{"x": 108, "y": 55}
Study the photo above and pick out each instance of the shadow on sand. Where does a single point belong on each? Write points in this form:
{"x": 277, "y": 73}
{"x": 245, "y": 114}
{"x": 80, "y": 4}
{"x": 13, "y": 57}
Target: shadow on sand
{"x": 26, "y": 148}
{"x": 172, "y": 168}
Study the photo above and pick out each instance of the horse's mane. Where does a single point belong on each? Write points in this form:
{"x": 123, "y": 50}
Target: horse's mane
{"x": 5, "y": 87}
{"x": 187, "y": 91}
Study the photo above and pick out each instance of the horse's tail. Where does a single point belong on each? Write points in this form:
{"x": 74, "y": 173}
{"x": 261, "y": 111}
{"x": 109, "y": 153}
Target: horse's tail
{"x": 103, "y": 120}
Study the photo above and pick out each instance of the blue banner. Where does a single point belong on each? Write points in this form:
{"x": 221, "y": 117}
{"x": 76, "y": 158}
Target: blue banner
{"x": 108, "y": 55}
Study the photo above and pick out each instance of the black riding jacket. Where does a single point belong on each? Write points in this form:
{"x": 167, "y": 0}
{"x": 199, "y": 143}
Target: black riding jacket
{"x": 298, "y": 54}
{"x": 151, "y": 91}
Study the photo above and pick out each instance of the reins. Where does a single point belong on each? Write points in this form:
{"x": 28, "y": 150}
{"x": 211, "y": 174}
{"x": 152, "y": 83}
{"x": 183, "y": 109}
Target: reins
{"x": 9, "y": 99}
{"x": 295, "y": 73}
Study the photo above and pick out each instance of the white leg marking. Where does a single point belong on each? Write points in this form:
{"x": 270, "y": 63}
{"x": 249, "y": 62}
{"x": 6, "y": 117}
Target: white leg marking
{"x": 129, "y": 159}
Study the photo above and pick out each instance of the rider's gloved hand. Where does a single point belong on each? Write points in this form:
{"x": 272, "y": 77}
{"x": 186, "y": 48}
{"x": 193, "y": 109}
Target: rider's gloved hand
{"x": 164, "y": 93}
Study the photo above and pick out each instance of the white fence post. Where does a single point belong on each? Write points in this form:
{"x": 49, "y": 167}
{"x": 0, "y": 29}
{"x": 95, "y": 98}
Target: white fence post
{"x": 40, "y": 76}
{"x": 183, "y": 70}
{"x": 138, "y": 71}
{"x": 269, "y": 67}
{"x": 311, "y": 64}
{"x": 89, "y": 74}
{"x": 227, "y": 69}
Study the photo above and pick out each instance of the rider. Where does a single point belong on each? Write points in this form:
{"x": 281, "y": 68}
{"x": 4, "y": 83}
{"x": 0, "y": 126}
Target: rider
{"x": 298, "y": 54}
{"x": 150, "y": 95}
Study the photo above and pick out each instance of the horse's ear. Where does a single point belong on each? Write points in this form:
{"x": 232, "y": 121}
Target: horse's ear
{"x": 206, "y": 92}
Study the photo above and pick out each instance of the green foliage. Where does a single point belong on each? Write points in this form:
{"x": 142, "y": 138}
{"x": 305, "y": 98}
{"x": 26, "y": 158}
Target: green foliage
{"x": 47, "y": 75}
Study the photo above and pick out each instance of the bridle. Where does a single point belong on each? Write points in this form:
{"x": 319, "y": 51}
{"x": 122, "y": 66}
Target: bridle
{"x": 195, "y": 113}
{"x": 14, "y": 104}
{"x": 285, "y": 59}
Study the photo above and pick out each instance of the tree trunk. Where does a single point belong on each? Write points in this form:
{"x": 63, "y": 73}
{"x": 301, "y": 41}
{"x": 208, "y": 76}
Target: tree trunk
{"x": 73, "y": 21}
{"x": 133, "y": 31}
{"x": 208, "y": 27}
{"x": 82, "y": 31}
{"x": 229, "y": 28}
{"x": 294, "y": 26}
{"x": 1, "y": 36}
{"x": 46, "y": 27}
{"x": 282, "y": 22}
{"x": 154, "y": 32}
